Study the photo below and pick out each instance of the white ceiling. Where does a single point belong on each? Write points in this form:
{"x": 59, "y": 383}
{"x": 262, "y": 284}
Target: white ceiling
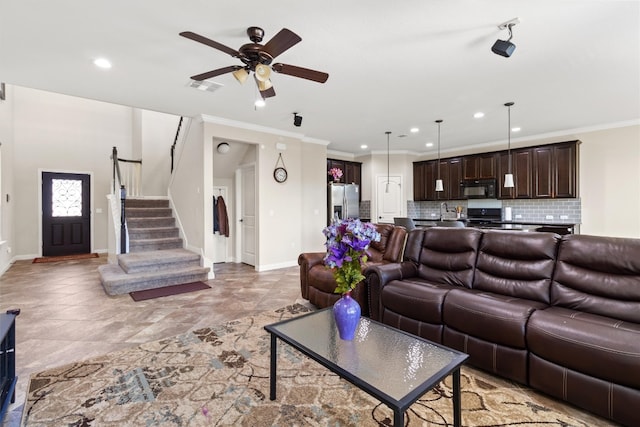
{"x": 391, "y": 65}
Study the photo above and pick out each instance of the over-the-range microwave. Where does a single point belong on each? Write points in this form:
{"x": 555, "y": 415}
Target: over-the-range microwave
{"x": 478, "y": 188}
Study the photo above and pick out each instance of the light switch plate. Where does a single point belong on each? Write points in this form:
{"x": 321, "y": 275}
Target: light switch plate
{"x": 549, "y": 217}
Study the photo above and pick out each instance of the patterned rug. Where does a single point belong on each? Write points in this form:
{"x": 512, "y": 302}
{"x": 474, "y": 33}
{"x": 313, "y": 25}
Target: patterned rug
{"x": 219, "y": 376}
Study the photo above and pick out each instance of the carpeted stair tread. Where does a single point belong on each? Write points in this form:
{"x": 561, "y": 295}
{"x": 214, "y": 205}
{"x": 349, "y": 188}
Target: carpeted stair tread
{"x": 117, "y": 282}
{"x": 155, "y": 244}
{"x": 150, "y": 222}
{"x": 136, "y": 262}
{"x": 148, "y": 212}
{"x": 147, "y": 203}
{"x": 136, "y": 233}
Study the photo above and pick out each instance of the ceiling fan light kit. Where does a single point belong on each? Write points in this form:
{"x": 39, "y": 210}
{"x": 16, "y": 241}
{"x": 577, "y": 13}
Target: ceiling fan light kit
{"x": 258, "y": 58}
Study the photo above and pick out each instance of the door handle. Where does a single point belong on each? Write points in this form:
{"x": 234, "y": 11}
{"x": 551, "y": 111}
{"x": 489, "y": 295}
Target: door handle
{"x": 240, "y": 220}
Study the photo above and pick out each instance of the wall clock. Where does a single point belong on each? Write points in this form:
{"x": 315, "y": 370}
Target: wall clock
{"x": 280, "y": 172}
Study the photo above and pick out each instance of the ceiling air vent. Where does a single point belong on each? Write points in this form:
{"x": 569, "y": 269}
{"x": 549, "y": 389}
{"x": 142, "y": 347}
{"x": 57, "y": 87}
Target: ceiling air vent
{"x": 205, "y": 85}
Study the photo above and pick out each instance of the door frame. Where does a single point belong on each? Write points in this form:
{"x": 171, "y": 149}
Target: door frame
{"x": 238, "y": 208}
{"x": 91, "y": 207}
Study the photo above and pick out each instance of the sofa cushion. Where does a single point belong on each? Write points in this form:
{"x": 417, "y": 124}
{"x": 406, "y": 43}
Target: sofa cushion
{"x": 448, "y": 255}
{"x": 496, "y": 318}
{"x": 416, "y": 299}
{"x": 517, "y": 264}
{"x": 598, "y": 275}
{"x": 594, "y": 345}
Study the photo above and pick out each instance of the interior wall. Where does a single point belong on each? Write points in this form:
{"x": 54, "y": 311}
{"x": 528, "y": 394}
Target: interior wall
{"x": 158, "y": 131}
{"x": 313, "y": 208}
{"x": 65, "y": 134}
{"x": 188, "y": 187}
{"x": 280, "y": 205}
{"x": 610, "y": 182}
{"x": 7, "y": 233}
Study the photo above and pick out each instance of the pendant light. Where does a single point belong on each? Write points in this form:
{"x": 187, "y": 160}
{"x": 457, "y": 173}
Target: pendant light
{"x": 439, "y": 186}
{"x": 508, "y": 177}
{"x": 387, "y": 188}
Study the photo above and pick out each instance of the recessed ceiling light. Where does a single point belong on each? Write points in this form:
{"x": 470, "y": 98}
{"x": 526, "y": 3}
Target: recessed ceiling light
{"x": 414, "y": 130}
{"x": 364, "y": 147}
{"x": 478, "y": 115}
{"x": 102, "y": 63}
{"x": 429, "y": 144}
{"x": 516, "y": 129}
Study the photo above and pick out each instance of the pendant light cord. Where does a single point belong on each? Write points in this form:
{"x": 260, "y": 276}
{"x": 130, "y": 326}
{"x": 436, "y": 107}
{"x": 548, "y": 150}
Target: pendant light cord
{"x": 508, "y": 105}
{"x": 388, "y": 174}
{"x": 438, "y": 122}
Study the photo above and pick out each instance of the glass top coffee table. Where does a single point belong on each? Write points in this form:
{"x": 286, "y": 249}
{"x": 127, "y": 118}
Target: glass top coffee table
{"x": 389, "y": 364}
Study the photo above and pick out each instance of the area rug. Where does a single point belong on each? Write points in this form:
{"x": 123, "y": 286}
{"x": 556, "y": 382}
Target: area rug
{"x": 168, "y": 290}
{"x": 64, "y": 258}
{"x": 219, "y": 376}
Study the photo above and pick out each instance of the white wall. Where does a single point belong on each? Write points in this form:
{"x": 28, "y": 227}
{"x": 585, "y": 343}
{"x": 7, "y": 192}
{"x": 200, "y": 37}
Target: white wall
{"x": 7, "y": 234}
{"x": 158, "y": 131}
{"x": 281, "y": 206}
{"x": 188, "y": 187}
{"x": 60, "y": 133}
{"x": 610, "y": 182}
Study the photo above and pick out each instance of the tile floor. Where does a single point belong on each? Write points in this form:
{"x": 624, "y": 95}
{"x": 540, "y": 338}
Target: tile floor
{"x": 66, "y": 316}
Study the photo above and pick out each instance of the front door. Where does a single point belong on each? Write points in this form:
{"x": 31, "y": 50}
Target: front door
{"x": 66, "y": 216}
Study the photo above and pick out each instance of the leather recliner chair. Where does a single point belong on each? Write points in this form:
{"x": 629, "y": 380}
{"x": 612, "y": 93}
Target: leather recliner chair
{"x": 316, "y": 280}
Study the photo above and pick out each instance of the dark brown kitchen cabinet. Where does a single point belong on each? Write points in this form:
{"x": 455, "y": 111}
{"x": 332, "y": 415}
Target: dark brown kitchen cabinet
{"x": 521, "y": 168}
{"x": 351, "y": 171}
{"x": 479, "y": 166}
{"x": 424, "y": 181}
{"x": 455, "y": 176}
{"x": 554, "y": 170}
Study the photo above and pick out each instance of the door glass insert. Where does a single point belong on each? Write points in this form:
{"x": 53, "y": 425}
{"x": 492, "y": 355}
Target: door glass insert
{"x": 66, "y": 197}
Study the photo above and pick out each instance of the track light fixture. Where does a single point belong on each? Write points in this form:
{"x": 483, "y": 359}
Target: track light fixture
{"x": 297, "y": 120}
{"x": 505, "y": 47}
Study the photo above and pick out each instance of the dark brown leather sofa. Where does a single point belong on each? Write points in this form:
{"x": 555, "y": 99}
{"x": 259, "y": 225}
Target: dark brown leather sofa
{"x": 316, "y": 280}
{"x": 558, "y": 313}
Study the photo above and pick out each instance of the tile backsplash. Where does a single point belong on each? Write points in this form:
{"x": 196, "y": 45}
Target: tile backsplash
{"x": 526, "y": 210}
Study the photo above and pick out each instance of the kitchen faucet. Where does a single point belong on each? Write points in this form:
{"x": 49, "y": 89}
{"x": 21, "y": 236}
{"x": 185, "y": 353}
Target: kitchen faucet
{"x": 446, "y": 209}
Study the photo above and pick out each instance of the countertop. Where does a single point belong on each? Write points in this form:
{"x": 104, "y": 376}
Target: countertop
{"x": 500, "y": 225}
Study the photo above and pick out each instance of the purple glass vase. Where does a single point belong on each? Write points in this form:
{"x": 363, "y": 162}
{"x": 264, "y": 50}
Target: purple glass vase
{"x": 346, "y": 312}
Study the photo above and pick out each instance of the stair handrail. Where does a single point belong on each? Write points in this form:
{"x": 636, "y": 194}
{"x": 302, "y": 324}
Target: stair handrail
{"x": 120, "y": 183}
{"x": 175, "y": 141}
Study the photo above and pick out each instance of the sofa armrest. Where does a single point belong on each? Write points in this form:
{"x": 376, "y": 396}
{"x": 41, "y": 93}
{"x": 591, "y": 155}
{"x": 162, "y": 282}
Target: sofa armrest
{"x": 378, "y": 276}
{"x": 306, "y": 261}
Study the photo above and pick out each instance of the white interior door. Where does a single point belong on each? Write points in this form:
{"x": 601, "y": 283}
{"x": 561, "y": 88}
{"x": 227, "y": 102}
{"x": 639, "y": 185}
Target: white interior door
{"x": 247, "y": 217}
{"x": 389, "y": 200}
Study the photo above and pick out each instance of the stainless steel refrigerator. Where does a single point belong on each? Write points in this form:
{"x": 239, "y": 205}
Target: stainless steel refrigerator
{"x": 343, "y": 201}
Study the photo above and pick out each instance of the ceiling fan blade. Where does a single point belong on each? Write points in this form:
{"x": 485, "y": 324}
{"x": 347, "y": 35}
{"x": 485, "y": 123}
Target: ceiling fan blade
{"x": 281, "y": 42}
{"x": 213, "y": 73}
{"x": 303, "y": 73}
{"x": 266, "y": 88}
{"x": 268, "y": 93}
{"x": 210, "y": 43}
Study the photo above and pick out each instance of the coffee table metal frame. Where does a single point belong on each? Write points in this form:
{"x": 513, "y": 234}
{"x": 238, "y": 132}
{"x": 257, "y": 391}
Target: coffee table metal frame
{"x": 301, "y": 342}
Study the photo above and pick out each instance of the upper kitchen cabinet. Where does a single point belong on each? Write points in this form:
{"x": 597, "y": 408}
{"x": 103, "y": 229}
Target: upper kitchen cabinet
{"x": 479, "y": 166}
{"x": 424, "y": 180}
{"x": 555, "y": 171}
{"x": 451, "y": 175}
{"x": 351, "y": 171}
{"x": 521, "y": 168}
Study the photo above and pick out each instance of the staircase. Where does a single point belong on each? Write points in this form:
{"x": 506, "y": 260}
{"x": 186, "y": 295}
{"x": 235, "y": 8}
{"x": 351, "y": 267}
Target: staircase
{"x": 156, "y": 256}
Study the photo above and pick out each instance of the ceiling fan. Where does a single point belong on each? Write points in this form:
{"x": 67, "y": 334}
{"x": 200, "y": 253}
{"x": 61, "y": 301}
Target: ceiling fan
{"x": 258, "y": 58}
